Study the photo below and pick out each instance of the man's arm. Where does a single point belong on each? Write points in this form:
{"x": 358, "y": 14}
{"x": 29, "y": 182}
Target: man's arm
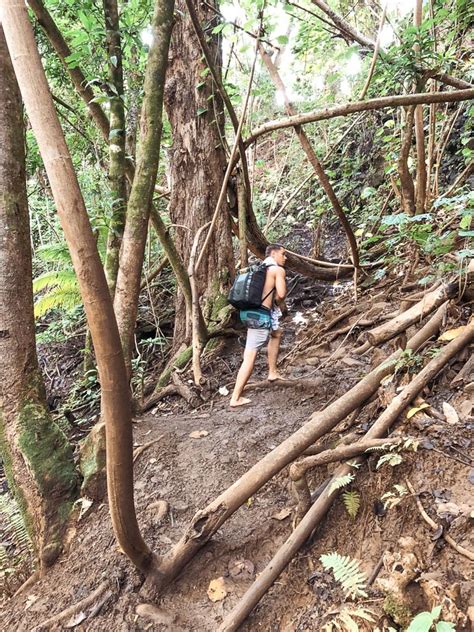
{"x": 280, "y": 283}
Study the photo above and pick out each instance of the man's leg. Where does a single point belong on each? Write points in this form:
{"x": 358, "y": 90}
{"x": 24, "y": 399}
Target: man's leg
{"x": 273, "y": 349}
{"x": 243, "y": 375}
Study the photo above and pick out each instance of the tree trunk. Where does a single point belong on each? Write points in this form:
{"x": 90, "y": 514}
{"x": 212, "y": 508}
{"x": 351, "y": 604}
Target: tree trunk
{"x": 198, "y": 160}
{"x": 116, "y": 408}
{"x": 421, "y": 176}
{"x": 116, "y": 144}
{"x": 407, "y": 187}
{"x": 37, "y": 456}
{"x": 141, "y": 194}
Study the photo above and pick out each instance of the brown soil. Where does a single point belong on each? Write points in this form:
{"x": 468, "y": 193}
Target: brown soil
{"x": 188, "y": 472}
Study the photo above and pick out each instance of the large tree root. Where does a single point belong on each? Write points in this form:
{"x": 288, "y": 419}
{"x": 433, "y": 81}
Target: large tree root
{"x": 317, "y": 512}
{"x": 300, "y": 384}
{"x": 207, "y": 521}
{"x": 103, "y": 590}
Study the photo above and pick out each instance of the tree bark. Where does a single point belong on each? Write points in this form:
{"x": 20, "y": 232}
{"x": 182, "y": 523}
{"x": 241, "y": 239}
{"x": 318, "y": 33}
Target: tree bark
{"x": 141, "y": 194}
{"x": 115, "y": 408}
{"x": 198, "y": 160}
{"x": 313, "y": 159}
{"x": 37, "y": 457}
{"x": 117, "y": 139}
{"x": 360, "y": 106}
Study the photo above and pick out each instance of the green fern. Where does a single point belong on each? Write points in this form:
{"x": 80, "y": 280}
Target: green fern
{"x": 340, "y": 481}
{"x": 347, "y": 572}
{"x": 54, "y": 253}
{"x": 351, "y": 501}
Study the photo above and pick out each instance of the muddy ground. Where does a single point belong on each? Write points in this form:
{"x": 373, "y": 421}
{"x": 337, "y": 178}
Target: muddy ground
{"x": 188, "y": 471}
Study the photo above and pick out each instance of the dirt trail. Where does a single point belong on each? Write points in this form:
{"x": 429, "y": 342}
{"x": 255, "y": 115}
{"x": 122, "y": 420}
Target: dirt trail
{"x": 188, "y": 472}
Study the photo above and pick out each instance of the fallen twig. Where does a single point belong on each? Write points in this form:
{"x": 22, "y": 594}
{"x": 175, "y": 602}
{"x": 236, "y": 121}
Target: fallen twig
{"x": 141, "y": 448}
{"x": 457, "y": 547}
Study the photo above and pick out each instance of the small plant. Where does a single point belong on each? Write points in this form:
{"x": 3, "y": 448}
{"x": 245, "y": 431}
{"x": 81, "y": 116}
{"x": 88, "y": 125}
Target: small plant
{"x": 351, "y": 500}
{"x": 393, "y": 498}
{"x": 425, "y": 621}
{"x": 339, "y": 482}
{"x": 345, "y": 619}
{"x": 347, "y": 572}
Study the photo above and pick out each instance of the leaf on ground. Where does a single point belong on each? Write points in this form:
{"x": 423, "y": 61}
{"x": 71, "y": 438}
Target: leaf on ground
{"x": 76, "y": 619}
{"x": 416, "y": 409}
{"x": 223, "y": 391}
{"x": 450, "y": 413}
{"x": 451, "y": 334}
{"x": 198, "y": 434}
{"x": 281, "y": 515}
{"x": 31, "y": 599}
{"x": 217, "y": 590}
{"x": 85, "y": 504}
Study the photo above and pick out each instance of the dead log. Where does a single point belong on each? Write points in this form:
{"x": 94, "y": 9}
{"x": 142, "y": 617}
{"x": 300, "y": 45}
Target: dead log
{"x": 322, "y": 505}
{"x": 403, "y": 321}
{"x": 208, "y": 520}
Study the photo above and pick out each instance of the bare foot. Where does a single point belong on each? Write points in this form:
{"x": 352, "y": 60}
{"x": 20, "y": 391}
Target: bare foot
{"x": 242, "y": 401}
{"x": 272, "y": 377}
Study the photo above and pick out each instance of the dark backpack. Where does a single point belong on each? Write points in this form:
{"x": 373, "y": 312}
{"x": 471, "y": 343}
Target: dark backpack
{"x": 247, "y": 290}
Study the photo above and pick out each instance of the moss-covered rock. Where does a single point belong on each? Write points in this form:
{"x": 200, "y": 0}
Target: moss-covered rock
{"x": 92, "y": 461}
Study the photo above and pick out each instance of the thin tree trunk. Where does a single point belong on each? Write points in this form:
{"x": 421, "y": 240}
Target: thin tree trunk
{"x": 242, "y": 210}
{"x": 141, "y": 194}
{"x": 421, "y": 177}
{"x": 407, "y": 188}
{"x": 313, "y": 159}
{"x": 375, "y": 55}
{"x": 85, "y": 92}
{"x": 117, "y": 139}
{"x": 37, "y": 457}
{"x": 115, "y": 408}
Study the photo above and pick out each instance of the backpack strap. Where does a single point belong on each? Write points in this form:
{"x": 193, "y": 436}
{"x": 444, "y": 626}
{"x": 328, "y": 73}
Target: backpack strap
{"x": 271, "y": 265}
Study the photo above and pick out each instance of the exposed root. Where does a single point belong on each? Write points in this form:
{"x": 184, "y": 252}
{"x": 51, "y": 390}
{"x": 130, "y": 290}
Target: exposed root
{"x": 141, "y": 448}
{"x": 457, "y": 547}
{"x": 103, "y": 590}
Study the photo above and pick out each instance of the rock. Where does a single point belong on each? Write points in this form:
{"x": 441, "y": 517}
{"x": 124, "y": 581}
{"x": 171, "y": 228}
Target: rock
{"x": 157, "y": 615}
{"x": 92, "y": 463}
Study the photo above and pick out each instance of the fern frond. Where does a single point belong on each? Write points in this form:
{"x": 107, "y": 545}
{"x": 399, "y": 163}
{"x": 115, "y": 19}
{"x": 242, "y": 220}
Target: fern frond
{"x": 64, "y": 279}
{"x": 57, "y": 298}
{"x": 15, "y": 530}
{"x": 391, "y": 458}
{"x": 54, "y": 253}
{"x": 351, "y": 501}
{"x": 347, "y": 572}
{"x": 339, "y": 482}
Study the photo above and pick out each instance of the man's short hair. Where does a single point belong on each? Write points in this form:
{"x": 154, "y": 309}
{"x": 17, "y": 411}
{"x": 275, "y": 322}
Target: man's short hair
{"x": 271, "y": 248}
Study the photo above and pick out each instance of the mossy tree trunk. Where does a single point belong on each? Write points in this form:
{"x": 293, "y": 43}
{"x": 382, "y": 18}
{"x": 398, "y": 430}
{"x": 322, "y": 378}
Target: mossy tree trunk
{"x": 117, "y": 137}
{"x": 198, "y": 162}
{"x": 37, "y": 456}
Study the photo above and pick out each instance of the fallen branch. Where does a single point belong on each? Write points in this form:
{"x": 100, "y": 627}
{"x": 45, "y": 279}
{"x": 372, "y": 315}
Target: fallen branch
{"x": 400, "y": 323}
{"x": 457, "y": 547}
{"x": 298, "y": 470}
{"x": 208, "y": 520}
{"x": 300, "y": 384}
{"x": 72, "y": 610}
{"x": 360, "y": 106}
{"x": 317, "y": 512}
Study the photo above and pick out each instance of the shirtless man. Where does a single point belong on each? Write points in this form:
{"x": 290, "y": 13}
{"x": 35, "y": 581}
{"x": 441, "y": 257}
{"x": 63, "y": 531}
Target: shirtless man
{"x": 274, "y": 290}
